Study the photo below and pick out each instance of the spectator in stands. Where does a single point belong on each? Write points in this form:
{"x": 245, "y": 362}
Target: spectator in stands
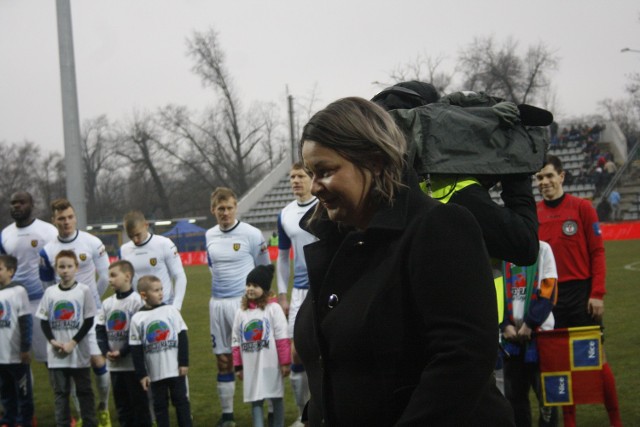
{"x": 609, "y": 168}
{"x": 401, "y": 300}
{"x": 570, "y": 225}
{"x": 614, "y": 202}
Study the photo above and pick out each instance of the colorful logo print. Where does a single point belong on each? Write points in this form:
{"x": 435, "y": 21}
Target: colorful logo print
{"x": 157, "y": 331}
{"x": 254, "y": 330}
{"x": 117, "y": 321}
{"x": 63, "y": 310}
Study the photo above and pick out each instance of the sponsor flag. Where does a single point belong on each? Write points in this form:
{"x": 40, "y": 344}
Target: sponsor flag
{"x": 571, "y": 366}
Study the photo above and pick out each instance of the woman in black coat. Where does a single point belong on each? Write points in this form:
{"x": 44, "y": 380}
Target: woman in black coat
{"x": 399, "y": 326}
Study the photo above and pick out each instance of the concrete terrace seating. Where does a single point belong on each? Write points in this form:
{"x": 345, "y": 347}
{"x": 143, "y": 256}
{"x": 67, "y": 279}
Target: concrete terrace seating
{"x": 264, "y": 215}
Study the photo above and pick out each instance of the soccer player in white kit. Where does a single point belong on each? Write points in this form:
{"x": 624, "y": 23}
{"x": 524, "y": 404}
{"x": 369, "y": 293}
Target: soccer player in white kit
{"x": 291, "y": 236}
{"x": 234, "y": 248}
{"x": 23, "y": 239}
{"x": 93, "y": 261}
{"x": 155, "y": 255}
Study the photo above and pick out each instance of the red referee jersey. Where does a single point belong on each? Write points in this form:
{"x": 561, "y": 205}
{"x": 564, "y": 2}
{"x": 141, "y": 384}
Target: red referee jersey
{"x": 573, "y": 231}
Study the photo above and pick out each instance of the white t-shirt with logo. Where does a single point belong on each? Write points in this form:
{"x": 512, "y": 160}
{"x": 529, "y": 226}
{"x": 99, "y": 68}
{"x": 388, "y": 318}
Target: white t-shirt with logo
{"x": 157, "y": 331}
{"x": 92, "y": 258}
{"x": 14, "y": 303}
{"x": 255, "y": 332}
{"x": 115, "y": 315}
{"x": 66, "y": 310}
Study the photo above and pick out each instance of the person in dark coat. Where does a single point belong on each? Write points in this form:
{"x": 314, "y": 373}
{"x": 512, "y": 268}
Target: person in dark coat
{"x": 399, "y": 326}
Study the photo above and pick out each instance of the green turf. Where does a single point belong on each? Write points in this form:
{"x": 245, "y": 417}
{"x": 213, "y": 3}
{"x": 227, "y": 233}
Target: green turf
{"x": 622, "y": 341}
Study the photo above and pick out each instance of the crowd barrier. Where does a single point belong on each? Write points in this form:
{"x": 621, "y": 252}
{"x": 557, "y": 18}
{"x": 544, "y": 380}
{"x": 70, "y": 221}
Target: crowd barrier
{"x": 621, "y": 230}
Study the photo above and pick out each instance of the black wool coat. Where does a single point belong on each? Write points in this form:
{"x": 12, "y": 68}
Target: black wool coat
{"x": 400, "y": 323}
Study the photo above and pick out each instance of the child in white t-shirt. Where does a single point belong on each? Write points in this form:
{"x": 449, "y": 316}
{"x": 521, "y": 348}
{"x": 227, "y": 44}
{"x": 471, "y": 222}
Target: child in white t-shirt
{"x": 160, "y": 350}
{"x": 261, "y": 346}
{"x": 112, "y": 330}
{"x": 15, "y": 336}
{"x": 66, "y": 312}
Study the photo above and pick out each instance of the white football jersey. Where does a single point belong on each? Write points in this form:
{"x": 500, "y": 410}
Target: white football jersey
{"x": 291, "y": 235}
{"x": 25, "y": 244}
{"x": 231, "y": 255}
{"x": 158, "y": 256}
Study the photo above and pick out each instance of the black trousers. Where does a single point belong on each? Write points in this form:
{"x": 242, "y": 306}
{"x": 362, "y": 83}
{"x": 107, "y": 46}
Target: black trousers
{"x": 176, "y": 387}
{"x": 131, "y": 400}
{"x": 17, "y": 394}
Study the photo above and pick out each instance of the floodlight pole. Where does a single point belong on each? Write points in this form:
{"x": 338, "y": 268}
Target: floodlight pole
{"x": 70, "y": 116}
{"x": 292, "y": 132}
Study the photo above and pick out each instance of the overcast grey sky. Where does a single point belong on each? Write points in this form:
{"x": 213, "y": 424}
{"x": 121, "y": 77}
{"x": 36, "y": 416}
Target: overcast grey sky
{"x": 131, "y": 55}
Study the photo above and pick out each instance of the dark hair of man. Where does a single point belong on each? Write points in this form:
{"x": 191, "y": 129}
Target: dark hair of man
{"x": 124, "y": 266}
{"x": 10, "y": 262}
{"x": 60, "y": 205}
{"x": 555, "y": 162}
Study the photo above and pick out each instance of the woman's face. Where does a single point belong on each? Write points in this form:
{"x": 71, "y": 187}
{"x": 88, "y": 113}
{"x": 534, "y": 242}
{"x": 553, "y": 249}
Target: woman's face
{"x": 340, "y": 186}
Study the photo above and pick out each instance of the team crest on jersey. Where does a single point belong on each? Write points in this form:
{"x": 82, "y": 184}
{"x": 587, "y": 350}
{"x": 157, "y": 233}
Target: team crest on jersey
{"x": 83, "y": 257}
{"x": 236, "y": 247}
{"x": 153, "y": 261}
{"x": 569, "y": 228}
{"x": 34, "y": 243}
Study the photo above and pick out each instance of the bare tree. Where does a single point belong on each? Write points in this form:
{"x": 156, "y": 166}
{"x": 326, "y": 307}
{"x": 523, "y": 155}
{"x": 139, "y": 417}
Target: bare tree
{"x": 138, "y": 143}
{"x": 97, "y": 145}
{"x": 24, "y": 169}
{"x": 51, "y": 178}
{"x": 499, "y": 70}
{"x": 625, "y": 113}
{"x": 424, "y": 68}
{"x": 273, "y": 143}
{"x": 233, "y": 138}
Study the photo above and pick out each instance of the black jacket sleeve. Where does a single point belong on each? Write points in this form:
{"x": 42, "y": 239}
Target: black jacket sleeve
{"x": 26, "y": 331}
{"x": 137, "y": 354}
{"x": 46, "y": 330}
{"x": 510, "y": 232}
{"x": 84, "y": 329}
{"x": 183, "y": 349}
{"x": 103, "y": 340}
